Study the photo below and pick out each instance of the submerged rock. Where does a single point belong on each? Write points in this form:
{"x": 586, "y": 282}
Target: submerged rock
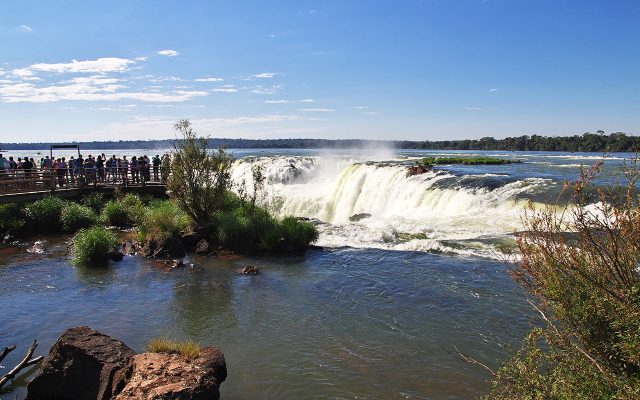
{"x": 85, "y": 364}
{"x": 171, "y": 376}
{"x": 129, "y": 247}
{"x": 82, "y": 364}
{"x": 359, "y": 217}
{"x": 115, "y": 255}
{"x": 163, "y": 248}
{"x": 418, "y": 169}
{"x": 37, "y": 248}
{"x": 250, "y": 270}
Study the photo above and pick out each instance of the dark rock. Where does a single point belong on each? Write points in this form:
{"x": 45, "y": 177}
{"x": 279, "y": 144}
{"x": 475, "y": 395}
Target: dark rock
{"x": 163, "y": 248}
{"x": 171, "y": 376}
{"x": 37, "y": 248}
{"x": 115, "y": 255}
{"x": 314, "y": 247}
{"x": 418, "y": 169}
{"x": 202, "y": 248}
{"x": 173, "y": 264}
{"x": 250, "y": 270}
{"x": 129, "y": 247}
{"x": 82, "y": 364}
{"x": 359, "y": 217}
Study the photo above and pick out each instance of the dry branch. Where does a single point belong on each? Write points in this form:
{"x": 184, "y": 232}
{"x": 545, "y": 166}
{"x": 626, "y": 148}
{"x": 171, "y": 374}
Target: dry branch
{"x": 27, "y": 361}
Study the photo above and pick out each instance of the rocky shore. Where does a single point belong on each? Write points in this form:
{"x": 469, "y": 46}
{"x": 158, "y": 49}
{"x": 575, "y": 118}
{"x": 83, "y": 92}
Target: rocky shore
{"x": 85, "y": 364}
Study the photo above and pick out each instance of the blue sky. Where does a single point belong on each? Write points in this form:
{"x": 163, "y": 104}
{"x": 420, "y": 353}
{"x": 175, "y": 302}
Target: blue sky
{"x": 419, "y": 70}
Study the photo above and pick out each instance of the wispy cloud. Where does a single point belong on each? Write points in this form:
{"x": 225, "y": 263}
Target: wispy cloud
{"x": 266, "y": 90}
{"x": 276, "y": 101}
{"x": 168, "y": 53}
{"x": 100, "y": 66}
{"x": 493, "y": 90}
{"x": 262, "y": 75}
{"x": 224, "y": 90}
{"x": 25, "y": 28}
{"x": 369, "y": 113}
{"x": 307, "y": 101}
{"x": 473, "y": 108}
{"x": 316, "y": 109}
{"x": 209, "y": 79}
{"x": 360, "y": 107}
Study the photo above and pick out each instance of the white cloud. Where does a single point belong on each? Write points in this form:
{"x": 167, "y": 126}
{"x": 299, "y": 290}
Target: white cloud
{"x": 361, "y": 107}
{"x": 25, "y": 28}
{"x": 22, "y": 73}
{"x": 266, "y": 90}
{"x": 473, "y": 108}
{"x": 493, "y": 90}
{"x": 209, "y": 79}
{"x": 316, "y": 109}
{"x": 308, "y": 101}
{"x": 262, "y": 75}
{"x": 141, "y": 58}
{"x": 276, "y": 101}
{"x": 88, "y": 89}
{"x": 168, "y": 53}
{"x": 369, "y": 113}
{"x": 224, "y": 90}
{"x": 100, "y": 66}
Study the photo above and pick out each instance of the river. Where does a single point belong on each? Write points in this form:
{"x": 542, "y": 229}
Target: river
{"x": 375, "y": 315}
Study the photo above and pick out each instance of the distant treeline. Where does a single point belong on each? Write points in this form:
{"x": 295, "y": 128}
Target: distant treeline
{"x": 593, "y": 142}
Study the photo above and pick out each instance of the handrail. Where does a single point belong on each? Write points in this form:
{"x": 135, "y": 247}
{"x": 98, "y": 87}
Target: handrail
{"x": 50, "y": 179}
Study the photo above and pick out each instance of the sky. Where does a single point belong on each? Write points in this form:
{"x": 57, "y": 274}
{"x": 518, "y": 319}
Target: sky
{"x": 391, "y": 70}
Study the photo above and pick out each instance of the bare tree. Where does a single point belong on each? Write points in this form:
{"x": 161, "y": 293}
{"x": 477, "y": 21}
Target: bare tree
{"x": 27, "y": 361}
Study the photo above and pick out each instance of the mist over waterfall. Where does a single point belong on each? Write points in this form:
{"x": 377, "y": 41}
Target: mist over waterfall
{"x": 361, "y": 203}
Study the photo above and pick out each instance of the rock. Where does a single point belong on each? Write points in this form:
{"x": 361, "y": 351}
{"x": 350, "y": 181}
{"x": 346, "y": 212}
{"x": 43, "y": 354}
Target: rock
{"x": 7, "y": 239}
{"x": 418, "y": 169}
{"x": 173, "y": 264}
{"x": 359, "y": 217}
{"x": 228, "y": 255}
{"x": 82, "y": 364}
{"x": 202, "y": 248}
{"x": 115, "y": 255}
{"x": 190, "y": 240}
{"x": 129, "y": 247}
{"x": 37, "y": 248}
{"x": 171, "y": 376}
{"x": 250, "y": 270}
{"x": 163, "y": 248}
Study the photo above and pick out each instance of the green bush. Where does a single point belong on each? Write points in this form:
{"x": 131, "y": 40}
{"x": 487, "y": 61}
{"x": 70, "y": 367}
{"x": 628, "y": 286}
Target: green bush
{"x": 134, "y": 206}
{"x": 252, "y": 229}
{"x": 44, "y": 214}
{"x": 162, "y": 219}
{"x": 93, "y": 245}
{"x": 114, "y": 213}
{"x": 12, "y": 219}
{"x": 95, "y": 201}
{"x": 76, "y": 216}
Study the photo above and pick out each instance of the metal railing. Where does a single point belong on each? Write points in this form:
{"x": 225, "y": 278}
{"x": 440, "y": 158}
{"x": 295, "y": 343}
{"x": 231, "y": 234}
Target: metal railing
{"x": 36, "y": 180}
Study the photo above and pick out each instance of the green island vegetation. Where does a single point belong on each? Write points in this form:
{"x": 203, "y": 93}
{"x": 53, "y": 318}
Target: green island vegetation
{"x": 188, "y": 348}
{"x": 589, "y": 142}
{"x": 585, "y": 286}
{"x": 475, "y": 160}
{"x": 200, "y": 202}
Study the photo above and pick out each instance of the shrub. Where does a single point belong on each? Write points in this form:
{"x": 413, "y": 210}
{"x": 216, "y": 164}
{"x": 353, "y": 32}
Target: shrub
{"x": 95, "y": 201}
{"x": 163, "y": 219}
{"x": 76, "y": 216}
{"x": 580, "y": 267}
{"x": 298, "y": 234}
{"x": 12, "y": 219}
{"x": 134, "y": 206}
{"x": 44, "y": 214}
{"x": 93, "y": 245}
{"x": 187, "y": 348}
{"x": 114, "y": 213}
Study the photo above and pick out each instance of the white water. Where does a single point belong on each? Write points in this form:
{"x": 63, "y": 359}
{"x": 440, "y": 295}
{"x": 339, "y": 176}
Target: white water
{"x": 427, "y": 212}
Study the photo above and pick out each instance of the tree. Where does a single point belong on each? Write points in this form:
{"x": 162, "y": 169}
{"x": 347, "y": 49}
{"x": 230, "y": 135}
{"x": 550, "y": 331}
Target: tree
{"x": 199, "y": 178}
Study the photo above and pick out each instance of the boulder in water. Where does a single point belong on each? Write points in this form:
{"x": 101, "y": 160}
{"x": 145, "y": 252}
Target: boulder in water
{"x": 359, "y": 217}
{"x": 37, "y": 248}
{"x": 250, "y": 270}
{"x": 202, "y": 248}
{"x": 163, "y": 248}
{"x": 418, "y": 169}
{"x": 82, "y": 364}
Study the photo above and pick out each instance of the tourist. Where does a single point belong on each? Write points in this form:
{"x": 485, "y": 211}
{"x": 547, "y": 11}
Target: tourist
{"x": 143, "y": 168}
{"x": 156, "y": 167}
{"x": 100, "y": 167}
{"x": 135, "y": 175}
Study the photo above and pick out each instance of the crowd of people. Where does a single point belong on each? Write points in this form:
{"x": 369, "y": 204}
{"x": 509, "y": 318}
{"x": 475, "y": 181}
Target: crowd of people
{"x": 86, "y": 170}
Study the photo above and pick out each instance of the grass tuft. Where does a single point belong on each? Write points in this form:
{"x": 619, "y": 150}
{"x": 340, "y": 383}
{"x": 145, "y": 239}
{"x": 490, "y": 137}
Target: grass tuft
{"x": 75, "y": 216}
{"x": 44, "y": 214}
{"x": 188, "y": 348}
{"x": 93, "y": 245}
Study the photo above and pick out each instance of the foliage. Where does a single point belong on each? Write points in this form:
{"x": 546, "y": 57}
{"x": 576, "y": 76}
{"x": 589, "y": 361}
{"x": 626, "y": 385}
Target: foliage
{"x": 466, "y": 160}
{"x": 114, "y": 213}
{"x": 75, "y": 216}
{"x": 199, "y": 179}
{"x": 581, "y": 267}
{"x": 12, "y": 219}
{"x": 242, "y": 226}
{"x": 187, "y": 348}
{"x": 44, "y": 214}
{"x": 93, "y": 245}
{"x": 163, "y": 219}
{"x": 95, "y": 201}
{"x": 135, "y": 207}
